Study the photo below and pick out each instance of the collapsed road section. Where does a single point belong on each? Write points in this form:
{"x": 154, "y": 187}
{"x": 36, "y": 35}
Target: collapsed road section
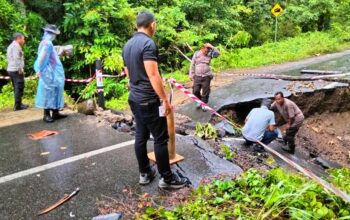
{"x": 244, "y": 95}
{"x": 325, "y": 105}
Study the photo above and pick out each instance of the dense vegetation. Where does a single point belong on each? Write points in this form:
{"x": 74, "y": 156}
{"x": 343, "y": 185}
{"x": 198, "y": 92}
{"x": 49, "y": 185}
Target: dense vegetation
{"x": 243, "y": 29}
{"x": 275, "y": 195}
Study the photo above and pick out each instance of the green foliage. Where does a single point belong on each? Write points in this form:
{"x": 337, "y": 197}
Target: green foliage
{"x": 33, "y": 24}
{"x": 179, "y": 76}
{"x": 9, "y": 23}
{"x": 341, "y": 178}
{"x": 113, "y": 88}
{"x": 7, "y": 94}
{"x": 241, "y": 39}
{"x": 51, "y": 10}
{"x": 6, "y": 97}
{"x": 98, "y": 30}
{"x": 120, "y": 103}
{"x": 89, "y": 91}
{"x": 276, "y": 195}
{"x": 30, "y": 24}
{"x": 244, "y": 29}
{"x": 205, "y": 131}
{"x": 311, "y": 15}
{"x": 3, "y": 62}
{"x": 227, "y": 152}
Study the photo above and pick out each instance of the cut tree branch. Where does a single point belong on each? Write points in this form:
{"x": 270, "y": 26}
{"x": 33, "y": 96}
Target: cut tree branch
{"x": 184, "y": 55}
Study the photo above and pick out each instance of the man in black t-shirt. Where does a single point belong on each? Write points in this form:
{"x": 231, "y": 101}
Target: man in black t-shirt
{"x": 140, "y": 55}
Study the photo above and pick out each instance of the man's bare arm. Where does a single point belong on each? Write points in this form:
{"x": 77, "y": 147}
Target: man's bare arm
{"x": 126, "y": 71}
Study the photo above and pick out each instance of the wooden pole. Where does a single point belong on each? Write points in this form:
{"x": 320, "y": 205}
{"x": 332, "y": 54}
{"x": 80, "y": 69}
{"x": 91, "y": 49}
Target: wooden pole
{"x": 171, "y": 132}
{"x": 173, "y": 157}
{"x": 276, "y": 27}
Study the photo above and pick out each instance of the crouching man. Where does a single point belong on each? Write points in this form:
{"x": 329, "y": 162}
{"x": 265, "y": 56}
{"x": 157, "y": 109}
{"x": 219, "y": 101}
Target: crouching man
{"x": 260, "y": 126}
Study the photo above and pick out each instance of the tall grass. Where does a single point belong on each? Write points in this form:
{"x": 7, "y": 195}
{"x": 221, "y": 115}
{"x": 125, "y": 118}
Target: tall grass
{"x": 302, "y": 46}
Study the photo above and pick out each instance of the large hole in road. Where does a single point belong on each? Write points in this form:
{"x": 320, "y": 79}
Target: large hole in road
{"x": 326, "y": 129}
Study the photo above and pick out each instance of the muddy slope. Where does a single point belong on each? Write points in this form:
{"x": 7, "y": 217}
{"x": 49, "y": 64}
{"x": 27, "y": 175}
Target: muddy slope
{"x": 328, "y": 136}
{"x": 337, "y": 100}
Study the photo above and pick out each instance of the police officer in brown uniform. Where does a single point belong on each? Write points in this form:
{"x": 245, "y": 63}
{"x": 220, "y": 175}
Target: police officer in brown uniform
{"x": 200, "y": 72}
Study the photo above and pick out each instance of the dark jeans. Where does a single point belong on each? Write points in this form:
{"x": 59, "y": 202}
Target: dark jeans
{"x": 202, "y": 84}
{"x": 268, "y": 137}
{"x": 148, "y": 122}
{"x": 18, "y": 87}
{"x": 290, "y": 136}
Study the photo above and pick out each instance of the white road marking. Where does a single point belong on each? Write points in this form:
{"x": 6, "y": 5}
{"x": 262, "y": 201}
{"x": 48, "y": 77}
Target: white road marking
{"x": 63, "y": 162}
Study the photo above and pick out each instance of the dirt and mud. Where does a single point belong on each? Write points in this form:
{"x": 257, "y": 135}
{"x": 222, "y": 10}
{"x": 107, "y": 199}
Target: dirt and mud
{"x": 327, "y": 136}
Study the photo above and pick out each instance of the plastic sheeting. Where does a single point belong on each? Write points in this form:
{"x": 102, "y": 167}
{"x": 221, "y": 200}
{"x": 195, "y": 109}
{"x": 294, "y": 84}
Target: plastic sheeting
{"x": 51, "y": 81}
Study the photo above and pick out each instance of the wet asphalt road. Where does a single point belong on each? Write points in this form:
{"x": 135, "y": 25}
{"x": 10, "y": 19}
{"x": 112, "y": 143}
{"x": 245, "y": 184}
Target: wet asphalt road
{"x": 23, "y": 197}
{"x": 106, "y": 173}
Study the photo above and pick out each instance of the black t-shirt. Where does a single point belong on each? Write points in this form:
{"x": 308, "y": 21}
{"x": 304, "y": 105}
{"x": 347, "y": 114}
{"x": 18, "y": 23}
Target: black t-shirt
{"x": 138, "y": 49}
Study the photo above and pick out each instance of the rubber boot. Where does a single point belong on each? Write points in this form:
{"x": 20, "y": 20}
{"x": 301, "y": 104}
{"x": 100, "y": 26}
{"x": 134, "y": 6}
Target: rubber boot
{"x": 47, "y": 117}
{"x": 57, "y": 115}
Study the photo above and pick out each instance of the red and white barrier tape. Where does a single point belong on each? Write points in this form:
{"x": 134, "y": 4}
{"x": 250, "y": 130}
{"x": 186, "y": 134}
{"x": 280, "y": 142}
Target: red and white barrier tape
{"x": 270, "y": 76}
{"x": 81, "y": 80}
{"x": 72, "y": 80}
{"x": 5, "y": 77}
{"x": 67, "y": 80}
{"x": 202, "y": 104}
{"x": 279, "y": 76}
{"x": 309, "y": 174}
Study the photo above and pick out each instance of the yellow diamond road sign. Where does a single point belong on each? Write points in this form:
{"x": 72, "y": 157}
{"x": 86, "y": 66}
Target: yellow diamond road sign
{"x": 277, "y": 10}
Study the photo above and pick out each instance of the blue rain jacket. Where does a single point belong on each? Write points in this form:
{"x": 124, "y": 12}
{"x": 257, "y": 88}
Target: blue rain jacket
{"x": 50, "y": 91}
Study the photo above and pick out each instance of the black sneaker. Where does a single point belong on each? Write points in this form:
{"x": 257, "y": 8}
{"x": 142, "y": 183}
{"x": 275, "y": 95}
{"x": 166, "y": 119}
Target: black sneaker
{"x": 146, "y": 178}
{"x": 20, "y": 107}
{"x": 175, "y": 182}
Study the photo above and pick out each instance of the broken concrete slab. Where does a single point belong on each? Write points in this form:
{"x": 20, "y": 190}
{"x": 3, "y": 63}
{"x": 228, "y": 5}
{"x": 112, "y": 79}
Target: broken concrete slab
{"x": 200, "y": 160}
{"x": 250, "y": 90}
